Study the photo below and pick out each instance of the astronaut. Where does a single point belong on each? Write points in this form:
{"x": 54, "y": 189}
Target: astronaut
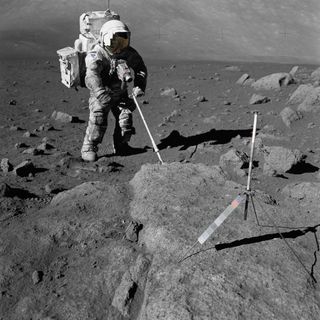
{"x": 108, "y": 71}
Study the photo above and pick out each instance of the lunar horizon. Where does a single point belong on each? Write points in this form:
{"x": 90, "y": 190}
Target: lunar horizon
{"x": 193, "y": 30}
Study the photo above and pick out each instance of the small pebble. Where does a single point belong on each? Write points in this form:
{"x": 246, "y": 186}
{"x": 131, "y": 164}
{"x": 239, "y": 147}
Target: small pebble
{"x": 37, "y": 277}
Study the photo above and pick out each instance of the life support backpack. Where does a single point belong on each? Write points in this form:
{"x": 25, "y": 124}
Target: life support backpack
{"x": 72, "y": 60}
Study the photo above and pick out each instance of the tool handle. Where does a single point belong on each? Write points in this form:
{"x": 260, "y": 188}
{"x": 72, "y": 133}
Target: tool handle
{"x": 252, "y": 150}
{"x": 147, "y": 128}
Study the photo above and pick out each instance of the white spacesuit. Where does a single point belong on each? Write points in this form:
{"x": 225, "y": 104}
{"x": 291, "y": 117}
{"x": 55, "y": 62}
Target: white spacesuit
{"x": 107, "y": 74}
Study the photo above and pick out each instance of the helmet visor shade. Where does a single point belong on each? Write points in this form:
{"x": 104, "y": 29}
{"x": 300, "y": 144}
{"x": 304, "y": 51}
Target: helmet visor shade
{"x": 119, "y": 41}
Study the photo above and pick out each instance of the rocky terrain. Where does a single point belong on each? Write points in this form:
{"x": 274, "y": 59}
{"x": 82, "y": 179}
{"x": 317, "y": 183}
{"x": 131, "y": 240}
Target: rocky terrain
{"x": 113, "y": 239}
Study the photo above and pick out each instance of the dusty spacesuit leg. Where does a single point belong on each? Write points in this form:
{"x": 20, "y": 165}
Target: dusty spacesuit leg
{"x": 97, "y": 126}
{"x": 123, "y": 129}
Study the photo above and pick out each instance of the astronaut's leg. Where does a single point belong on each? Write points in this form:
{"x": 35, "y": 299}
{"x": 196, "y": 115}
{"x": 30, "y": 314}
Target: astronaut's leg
{"x": 123, "y": 129}
{"x": 97, "y": 125}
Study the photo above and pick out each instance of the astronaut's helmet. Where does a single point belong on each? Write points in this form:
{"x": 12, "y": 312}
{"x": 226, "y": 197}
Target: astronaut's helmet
{"x": 114, "y": 36}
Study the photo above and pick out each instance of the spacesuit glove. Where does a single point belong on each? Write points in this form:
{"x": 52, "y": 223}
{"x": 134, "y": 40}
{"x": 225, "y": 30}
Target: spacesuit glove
{"x": 137, "y": 92}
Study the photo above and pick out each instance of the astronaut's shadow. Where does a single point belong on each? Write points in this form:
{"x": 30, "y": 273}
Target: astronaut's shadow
{"x": 175, "y": 139}
{"x": 130, "y": 152}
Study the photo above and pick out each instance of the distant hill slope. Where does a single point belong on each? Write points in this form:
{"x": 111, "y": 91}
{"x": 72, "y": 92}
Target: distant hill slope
{"x": 198, "y": 29}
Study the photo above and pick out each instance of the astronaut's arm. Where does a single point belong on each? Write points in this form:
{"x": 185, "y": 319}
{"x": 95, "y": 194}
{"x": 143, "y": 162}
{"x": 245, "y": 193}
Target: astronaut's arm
{"x": 93, "y": 80}
{"x": 140, "y": 77}
{"x": 136, "y": 62}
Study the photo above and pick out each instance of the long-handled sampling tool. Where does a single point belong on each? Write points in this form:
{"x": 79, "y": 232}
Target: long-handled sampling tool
{"x": 147, "y": 128}
{"x": 248, "y": 190}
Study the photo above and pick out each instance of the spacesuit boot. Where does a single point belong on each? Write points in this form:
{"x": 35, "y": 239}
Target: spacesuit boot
{"x": 89, "y": 153}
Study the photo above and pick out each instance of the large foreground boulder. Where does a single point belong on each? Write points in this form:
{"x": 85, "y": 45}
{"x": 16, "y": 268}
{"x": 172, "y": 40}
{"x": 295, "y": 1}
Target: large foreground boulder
{"x": 152, "y": 183}
{"x": 175, "y": 203}
{"x": 77, "y": 245}
{"x": 71, "y": 260}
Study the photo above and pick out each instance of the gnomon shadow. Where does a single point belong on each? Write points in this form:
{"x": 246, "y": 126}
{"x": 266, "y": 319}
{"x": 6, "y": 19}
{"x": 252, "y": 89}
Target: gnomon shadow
{"x": 175, "y": 139}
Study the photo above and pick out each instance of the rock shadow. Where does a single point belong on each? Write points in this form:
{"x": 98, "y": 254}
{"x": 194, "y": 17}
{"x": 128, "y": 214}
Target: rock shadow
{"x": 20, "y": 193}
{"x": 175, "y": 139}
{"x": 255, "y": 164}
{"x": 31, "y": 171}
{"x": 114, "y": 166}
{"x": 39, "y": 170}
{"x": 78, "y": 120}
{"x": 282, "y": 176}
{"x": 58, "y": 190}
{"x": 303, "y": 167}
{"x": 130, "y": 151}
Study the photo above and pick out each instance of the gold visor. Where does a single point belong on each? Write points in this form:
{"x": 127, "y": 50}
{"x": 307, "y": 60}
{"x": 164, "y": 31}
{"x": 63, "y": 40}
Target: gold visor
{"x": 119, "y": 42}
